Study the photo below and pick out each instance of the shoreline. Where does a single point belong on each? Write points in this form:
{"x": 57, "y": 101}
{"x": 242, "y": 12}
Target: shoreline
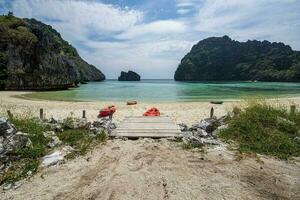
{"x": 181, "y": 112}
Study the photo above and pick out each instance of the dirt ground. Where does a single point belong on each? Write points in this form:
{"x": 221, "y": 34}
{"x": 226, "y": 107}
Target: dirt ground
{"x": 161, "y": 169}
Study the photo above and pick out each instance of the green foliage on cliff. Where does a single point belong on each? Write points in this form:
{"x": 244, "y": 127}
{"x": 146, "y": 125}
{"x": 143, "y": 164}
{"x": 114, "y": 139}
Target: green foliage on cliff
{"x": 220, "y": 58}
{"x": 33, "y": 55}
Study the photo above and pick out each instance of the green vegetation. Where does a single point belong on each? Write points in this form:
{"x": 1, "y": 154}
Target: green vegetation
{"x": 80, "y": 140}
{"x": 265, "y": 129}
{"x": 28, "y": 44}
{"x": 220, "y": 59}
{"x": 26, "y": 160}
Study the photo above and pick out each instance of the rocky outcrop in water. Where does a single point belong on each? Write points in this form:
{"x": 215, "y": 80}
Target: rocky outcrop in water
{"x": 129, "y": 76}
{"x": 223, "y": 59}
{"x": 33, "y": 56}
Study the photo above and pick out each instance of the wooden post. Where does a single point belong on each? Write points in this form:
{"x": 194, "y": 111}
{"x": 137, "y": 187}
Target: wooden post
{"x": 41, "y": 113}
{"x": 9, "y": 114}
{"x": 83, "y": 114}
{"x": 293, "y": 109}
{"x": 211, "y": 112}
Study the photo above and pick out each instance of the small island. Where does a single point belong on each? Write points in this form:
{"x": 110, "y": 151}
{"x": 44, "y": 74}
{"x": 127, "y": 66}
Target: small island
{"x": 129, "y": 76}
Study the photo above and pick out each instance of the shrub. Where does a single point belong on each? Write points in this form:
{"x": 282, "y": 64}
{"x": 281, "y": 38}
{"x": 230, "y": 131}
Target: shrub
{"x": 265, "y": 129}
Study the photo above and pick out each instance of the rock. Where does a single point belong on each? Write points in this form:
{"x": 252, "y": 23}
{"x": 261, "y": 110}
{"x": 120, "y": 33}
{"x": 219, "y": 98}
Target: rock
{"x": 16, "y": 185}
{"x": 103, "y": 124}
{"x": 183, "y": 127}
{"x": 7, "y": 186}
{"x": 44, "y": 58}
{"x": 208, "y": 124}
{"x": 210, "y": 141}
{"x": 129, "y": 76}
{"x": 216, "y": 132}
{"x": 200, "y": 133}
{"x": 6, "y": 128}
{"x": 195, "y": 141}
{"x": 52, "y": 159}
{"x": 54, "y": 140}
{"x": 74, "y": 123}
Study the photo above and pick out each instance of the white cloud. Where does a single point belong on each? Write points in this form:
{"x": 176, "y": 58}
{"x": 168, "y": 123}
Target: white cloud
{"x": 248, "y": 19}
{"x": 77, "y": 19}
{"x": 157, "y": 27}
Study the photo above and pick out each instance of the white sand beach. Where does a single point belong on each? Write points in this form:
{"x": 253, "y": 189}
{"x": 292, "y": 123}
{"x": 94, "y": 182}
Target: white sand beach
{"x": 181, "y": 112}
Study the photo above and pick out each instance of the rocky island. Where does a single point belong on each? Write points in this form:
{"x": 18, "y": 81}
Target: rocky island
{"x": 33, "y": 56}
{"x": 129, "y": 76}
{"x": 224, "y": 59}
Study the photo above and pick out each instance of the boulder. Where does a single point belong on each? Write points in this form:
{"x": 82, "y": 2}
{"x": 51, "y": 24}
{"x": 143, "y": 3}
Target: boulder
{"x": 53, "y": 139}
{"x": 129, "y": 76}
{"x": 75, "y": 123}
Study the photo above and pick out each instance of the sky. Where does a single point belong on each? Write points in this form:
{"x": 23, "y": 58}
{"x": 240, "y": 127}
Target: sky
{"x": 152, "y": 36}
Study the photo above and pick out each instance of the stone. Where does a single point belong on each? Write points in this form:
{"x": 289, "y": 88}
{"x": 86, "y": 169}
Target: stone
{"x": 183, "y": 127}
{"x": 6, "y": 128}
{"x": 74, "y": 123}
{"x": 210, "y": 141}
{"x": 7, "y": 186}
{"x": 16, "y": 185}
{"x": 54, "y": 140}
{"x": 208, "y": 124}
{"x": 200, "y": 133}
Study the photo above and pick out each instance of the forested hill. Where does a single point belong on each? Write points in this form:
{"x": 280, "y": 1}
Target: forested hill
{"x": 221, "y": 58}
{"x": 34, "y": 56}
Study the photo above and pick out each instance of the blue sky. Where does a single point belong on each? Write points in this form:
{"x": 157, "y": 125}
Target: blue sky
{"x": 150, "y": 37}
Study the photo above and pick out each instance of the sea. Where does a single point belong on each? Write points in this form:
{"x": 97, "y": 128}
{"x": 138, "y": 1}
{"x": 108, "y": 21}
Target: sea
{"x": 170, "y": 91}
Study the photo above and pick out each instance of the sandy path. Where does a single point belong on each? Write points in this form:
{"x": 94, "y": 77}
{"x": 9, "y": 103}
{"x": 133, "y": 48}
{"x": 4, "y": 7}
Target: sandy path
{"x": 160, "y": 169}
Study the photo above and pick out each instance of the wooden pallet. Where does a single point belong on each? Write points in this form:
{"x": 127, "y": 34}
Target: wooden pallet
{"x": 154, "y": 127}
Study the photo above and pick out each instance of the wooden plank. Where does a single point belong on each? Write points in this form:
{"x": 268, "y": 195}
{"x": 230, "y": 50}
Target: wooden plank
{"x": 152, "y": 135}
{"x": 147, "y": 121}
{"x": 147, "y": 127}
{"x": 146, "y": 131}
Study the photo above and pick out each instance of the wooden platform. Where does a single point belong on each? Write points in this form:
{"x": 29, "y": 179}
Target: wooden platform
{"x": 154, "y": 127}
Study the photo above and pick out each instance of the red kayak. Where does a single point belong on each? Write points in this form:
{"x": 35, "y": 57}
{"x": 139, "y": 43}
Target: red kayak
{"x": 152, "y": 112}
{"x": 107, "y": 111}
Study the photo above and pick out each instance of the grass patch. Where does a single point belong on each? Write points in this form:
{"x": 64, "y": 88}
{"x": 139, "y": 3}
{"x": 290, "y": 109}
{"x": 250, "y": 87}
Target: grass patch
{"x": 265, "y": 129}
{"x": 191, "y": 146}
{"x": 80, "y": 140}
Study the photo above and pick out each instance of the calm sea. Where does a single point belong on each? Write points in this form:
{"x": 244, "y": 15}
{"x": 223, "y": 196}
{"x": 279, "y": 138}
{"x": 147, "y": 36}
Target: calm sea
{"x": 169, "y": 90}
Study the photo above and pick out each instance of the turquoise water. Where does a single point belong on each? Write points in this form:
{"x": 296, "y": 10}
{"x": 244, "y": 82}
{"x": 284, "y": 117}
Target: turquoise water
{"x": 169, "y": 90}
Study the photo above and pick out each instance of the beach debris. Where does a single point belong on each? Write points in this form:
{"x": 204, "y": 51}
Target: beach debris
{"x": 54, "y": 140}
{"x": 204, "y": 132}
{"x": 52, "y": 159}
{"x": 131, "y": 102}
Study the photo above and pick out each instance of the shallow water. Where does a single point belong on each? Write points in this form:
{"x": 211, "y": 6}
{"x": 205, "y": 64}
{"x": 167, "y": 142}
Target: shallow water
{"x": 170, "y": 90}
